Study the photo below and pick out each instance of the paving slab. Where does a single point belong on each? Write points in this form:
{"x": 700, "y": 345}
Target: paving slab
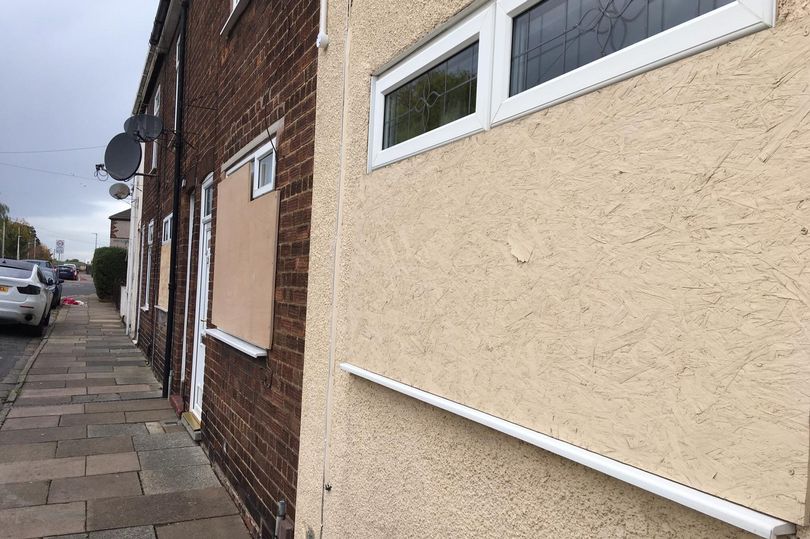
{"x": 59, "y": 409}
{"x": 112, "y": 463}
{"x": 150, "y": 415}
{"x": 36, "y": 470}
{"x": 20, "y": 452}
{"x": 99, "y": 431}
{"x": 150, "y": 442}
{"x": 158, "y": 508}
{"x": 103, "y": 418}
{"x": 176, "y": 479}
{"x": 73, "y": 370}
{"x": 48, "y": 384}
{"x": 49, "y": 434}
{"x": 97, "y": 398}
{"x": 63, "y": 392}
{"x": 23, "y": 494}
{"x": 171, "y": 459}
{"x": 133, "y": 388}
{"x": 87, "y": 382}
{"x": 94, "y": 487}
{"x": 42, "y": 520}
{"x": 48, "y": 377}
{"x": 94, "y": 446}
{"x": 42, "y": 401}
{"x": 155, "y": 394}
{"x": 137, "y": 532}
{"x": 99, "y": 375}
{"x": 230, "y": 527}
{"x": 31, "y": 422}
{"x": 129, "y": 406}
{"x": 48, "y": 370}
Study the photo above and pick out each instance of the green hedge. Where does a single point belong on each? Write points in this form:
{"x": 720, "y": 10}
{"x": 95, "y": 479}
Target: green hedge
{"x": 109, "y": 270}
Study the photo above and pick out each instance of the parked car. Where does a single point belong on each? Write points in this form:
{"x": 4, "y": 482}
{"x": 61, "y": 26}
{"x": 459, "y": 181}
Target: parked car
{"x": 55, "y": 287}
{"x": 24, "y": 295}
{"x": 40, "y": 263}
{"x": 68, "y": 271}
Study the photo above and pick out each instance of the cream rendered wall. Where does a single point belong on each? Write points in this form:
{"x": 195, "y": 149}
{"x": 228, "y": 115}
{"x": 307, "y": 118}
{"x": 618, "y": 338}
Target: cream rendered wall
{"x": 659, "y": 316}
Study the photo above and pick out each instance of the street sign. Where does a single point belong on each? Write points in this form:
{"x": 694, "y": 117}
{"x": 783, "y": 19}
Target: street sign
{"x": 60, "y": 244}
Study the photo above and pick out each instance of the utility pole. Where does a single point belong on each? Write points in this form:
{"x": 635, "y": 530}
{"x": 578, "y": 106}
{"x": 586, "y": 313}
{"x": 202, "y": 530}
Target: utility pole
{"x": 18, "y": 244}
{"x": 96, "y": 246}
{"x": 3, "y": 254}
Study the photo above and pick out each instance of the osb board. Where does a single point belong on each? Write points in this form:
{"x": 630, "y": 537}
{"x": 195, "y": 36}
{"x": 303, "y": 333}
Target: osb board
{"x": 625, "y": 271}
{"x": 245, "y": 260}
{"x": 163, "y": 283}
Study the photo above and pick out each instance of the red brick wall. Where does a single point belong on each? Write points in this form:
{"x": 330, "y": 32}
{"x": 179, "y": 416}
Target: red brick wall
{"x": 236, "y": 88}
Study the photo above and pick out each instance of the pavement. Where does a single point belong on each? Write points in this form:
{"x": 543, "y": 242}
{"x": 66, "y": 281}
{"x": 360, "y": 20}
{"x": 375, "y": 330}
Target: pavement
{"x": 88, "y": 449}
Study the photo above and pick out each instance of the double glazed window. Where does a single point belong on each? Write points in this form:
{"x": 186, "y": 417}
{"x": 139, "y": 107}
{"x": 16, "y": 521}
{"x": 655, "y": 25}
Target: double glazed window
{"x": 513, "y": 57}
{"x": 167, "y": 229}
{"x": 558, "y": 36}
{"x": 433, "y": 99}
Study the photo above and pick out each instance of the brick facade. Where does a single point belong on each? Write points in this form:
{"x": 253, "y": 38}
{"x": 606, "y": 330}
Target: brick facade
{"x": 235, "y": 88}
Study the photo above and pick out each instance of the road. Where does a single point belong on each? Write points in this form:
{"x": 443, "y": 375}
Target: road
{"x": 14, "y": 339}
{"x": 83, "y": 287}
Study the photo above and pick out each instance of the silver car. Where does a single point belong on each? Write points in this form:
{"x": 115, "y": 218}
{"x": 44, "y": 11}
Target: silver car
{"x": 24, "y": 295}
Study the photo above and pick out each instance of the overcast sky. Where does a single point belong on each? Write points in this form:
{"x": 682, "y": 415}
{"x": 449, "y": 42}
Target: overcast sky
{"x": 69, "y": 71}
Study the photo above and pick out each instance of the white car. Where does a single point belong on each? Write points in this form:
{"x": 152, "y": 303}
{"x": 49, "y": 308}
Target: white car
{"x": 24, "y": 295}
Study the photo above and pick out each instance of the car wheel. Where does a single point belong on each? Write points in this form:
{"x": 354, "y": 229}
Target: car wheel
{"x": 39, "y": 329}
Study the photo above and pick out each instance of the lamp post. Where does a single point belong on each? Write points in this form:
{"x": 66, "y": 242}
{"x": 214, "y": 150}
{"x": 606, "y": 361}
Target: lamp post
{"x": 96, "y": 244}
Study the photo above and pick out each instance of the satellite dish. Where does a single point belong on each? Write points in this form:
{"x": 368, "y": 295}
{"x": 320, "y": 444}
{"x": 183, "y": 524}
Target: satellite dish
{"x": 122, "y": 157}
{"x": 143, "y": 127}
{"x": 119, "y": 191}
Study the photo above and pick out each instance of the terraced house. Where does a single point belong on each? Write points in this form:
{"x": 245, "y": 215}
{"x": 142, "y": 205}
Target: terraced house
{"x": 223, "y": 271}
{"x": 558, "y": 277}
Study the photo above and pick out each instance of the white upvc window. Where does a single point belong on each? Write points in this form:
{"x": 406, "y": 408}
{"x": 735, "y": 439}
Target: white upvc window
{"x": 264, "y": 169}
{"x": 474, "y": 32}
{"x": 167, "y": 229}
{"x": 696, "y": 25}
{"x": 155, "y": 112}
{"x": 542, "y": 52}
{"x": 150, "y": 236}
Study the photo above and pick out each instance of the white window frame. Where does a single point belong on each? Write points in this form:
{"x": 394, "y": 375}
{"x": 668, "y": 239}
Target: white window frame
{"x": 718, "y": 26}
{"x": 155, "y": 112}
{"x": 269, "y": 147}
{"x": 166, "y": 236}
{"x": 261, "y": 153}
{"x": 150, "y": 237}
{"x": 477, "y": 27}
{"x": 492, "y": 25}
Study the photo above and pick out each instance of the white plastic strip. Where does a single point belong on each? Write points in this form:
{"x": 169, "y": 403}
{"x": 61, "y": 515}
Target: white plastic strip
{"x": 731, "y": 513}
{"x": 235, "y": 342}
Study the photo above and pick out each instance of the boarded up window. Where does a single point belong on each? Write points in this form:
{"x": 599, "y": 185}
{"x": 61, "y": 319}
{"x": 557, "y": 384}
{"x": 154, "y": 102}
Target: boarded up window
{"x": 163, "y": 286}
{"x": 245, "y": 259}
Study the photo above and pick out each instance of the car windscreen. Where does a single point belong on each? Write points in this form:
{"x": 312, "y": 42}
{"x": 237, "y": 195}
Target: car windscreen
{"x": 15, "y": 273}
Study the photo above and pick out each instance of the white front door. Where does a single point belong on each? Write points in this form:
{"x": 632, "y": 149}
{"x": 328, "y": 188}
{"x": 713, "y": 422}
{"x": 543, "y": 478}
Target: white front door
{"x": 201, "y": 313}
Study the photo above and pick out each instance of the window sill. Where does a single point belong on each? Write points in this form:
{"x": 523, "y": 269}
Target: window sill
{"x": 235, "y": 342}
{"x": 713, "y": 506}
{"x": 233, "y": 18}
{"x": 162, "y": 309}
{"x": 145, "y": 308}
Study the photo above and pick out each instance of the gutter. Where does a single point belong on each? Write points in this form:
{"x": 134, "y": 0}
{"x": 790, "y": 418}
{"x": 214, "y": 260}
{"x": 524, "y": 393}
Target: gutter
{"x": 731, "y": 513}
{"x": 166, "y": 20}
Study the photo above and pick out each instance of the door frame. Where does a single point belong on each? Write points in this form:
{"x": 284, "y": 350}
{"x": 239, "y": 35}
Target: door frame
{"x": 205, "y": 222}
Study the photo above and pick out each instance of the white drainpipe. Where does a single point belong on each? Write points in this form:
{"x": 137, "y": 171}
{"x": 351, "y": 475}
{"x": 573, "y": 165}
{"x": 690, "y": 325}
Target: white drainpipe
{"x": 323, "y": 39}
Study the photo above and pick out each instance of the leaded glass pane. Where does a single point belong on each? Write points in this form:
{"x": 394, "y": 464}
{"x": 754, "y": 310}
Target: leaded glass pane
{"x": 437, "y": 97}
{"x": 558, "y": 36}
